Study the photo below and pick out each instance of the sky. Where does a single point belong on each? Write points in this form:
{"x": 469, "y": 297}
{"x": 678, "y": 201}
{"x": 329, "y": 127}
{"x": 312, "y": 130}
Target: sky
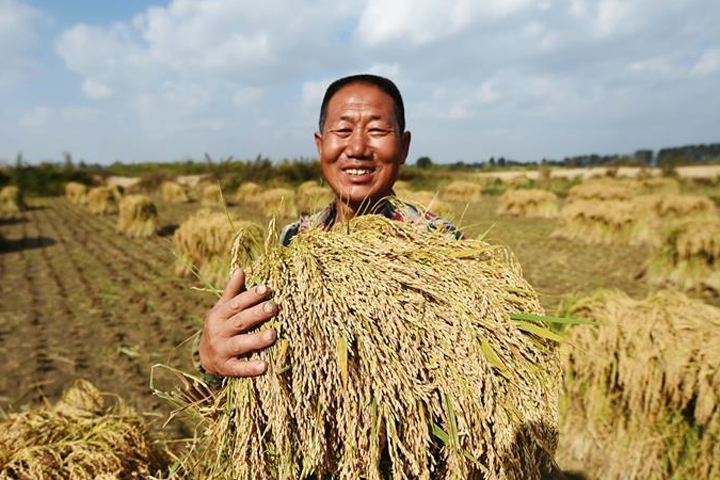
{"x": 131, "y": 80}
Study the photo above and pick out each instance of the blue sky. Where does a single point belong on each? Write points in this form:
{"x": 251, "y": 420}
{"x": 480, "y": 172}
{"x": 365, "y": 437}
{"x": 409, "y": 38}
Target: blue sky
{"x": 525, "y": 79}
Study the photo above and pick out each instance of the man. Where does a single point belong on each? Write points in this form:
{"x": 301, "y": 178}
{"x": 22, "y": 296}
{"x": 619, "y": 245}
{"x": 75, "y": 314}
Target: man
{"x": 361, "y": 143}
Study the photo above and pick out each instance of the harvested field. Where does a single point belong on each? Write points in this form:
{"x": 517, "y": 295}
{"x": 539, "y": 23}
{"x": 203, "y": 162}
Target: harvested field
{"x": 279, "y": 202}
{"x": 641, "y": 388}
{"x": 597, "y": 221}
{"x": 173, "y": 192}
{"x": 211, "y": 196}
{"x": 462, "y": 191}
{"x": 602, "y": 190}
{"x": 311, "y": 197}
{"x": 248, "y": 192}
{"x": 103, "y": 200}
{"x": 531, "y": 203}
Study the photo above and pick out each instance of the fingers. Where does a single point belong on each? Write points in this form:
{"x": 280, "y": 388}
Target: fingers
{"x": 242, "y": 301}
{"x": 252, "y": 317}
{"x": 234, "y": 286}
{"x": 250, "y": 342}
{"x": 244, "y": 368}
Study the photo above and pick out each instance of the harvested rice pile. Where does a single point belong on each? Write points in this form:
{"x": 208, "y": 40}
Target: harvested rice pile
{"x": 173, "y": 192}
{"x": 426, "y": 200}
{"x": 518, "y": 181}
{"x": 11, "y": 200}
{"x": 531, "y": 203}
{"x": 462, "y": 191}
{"x": 79, "y": 438}
{"x": 656, "y": 213}
{"x": 76, "y": 193}
{"x": 279, "y": 202}
{"x": 203, "y": 243}
{"x": 211, "y": 196}
{"x": 248, "y": 192}
{"x": 660, "y": 185}
{"x": 138, "y": 216}
{"x": 689, "y": 257}
{"x": 601, "y": 190}
{"x": 103, "y": 200}
{"x": 596, "y": 222}
{"x": 642, "y": 390}
{"x": 312, "y": 197}
{"x": 397, "y": 359}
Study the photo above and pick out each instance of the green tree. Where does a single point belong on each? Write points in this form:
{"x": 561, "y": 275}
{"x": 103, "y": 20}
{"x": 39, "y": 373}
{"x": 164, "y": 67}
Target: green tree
{"x": 424, "y": 162}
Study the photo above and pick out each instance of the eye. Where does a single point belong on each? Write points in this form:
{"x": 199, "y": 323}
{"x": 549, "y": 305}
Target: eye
{"x": 343, "y": 132}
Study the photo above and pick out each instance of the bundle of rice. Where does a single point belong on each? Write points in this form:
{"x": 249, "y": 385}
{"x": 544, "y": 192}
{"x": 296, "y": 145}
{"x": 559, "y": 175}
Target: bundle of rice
{"x": 532, "y": 203}
{"x": 81, "y": 438}
{"x": 11, "y": 200}
{"x": 138, "y": 216}
{"x": 517, "y": 181}
{"x": 173, "y": 192}
{"x": 211, "y": 196}
{"x": 656, "y": 213}
{"x": 660, "y": 185}
{"x": 249, "y": 192}
{"x": 103, "y": 200}
{"x": 596, "y": 222}
{"x": 278, "y": 202}
{"x": 312, "y": 197}
{"x": 689, "y": 257}
{"x": 642, "y": 398}
{"x": 426, "y": 200}
{"x": 76, "y": 193}
{"x": 602, "y": 191}
{"x": 203, "y": 243}
{"x": 462, "y": 191}
{"x": 398, "y": 358}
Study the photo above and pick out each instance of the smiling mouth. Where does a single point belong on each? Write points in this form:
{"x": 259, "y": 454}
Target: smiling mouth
{"x": 358, "y": 172}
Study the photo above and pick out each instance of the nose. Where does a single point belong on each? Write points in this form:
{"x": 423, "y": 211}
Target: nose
{"x": 358, "y": 146}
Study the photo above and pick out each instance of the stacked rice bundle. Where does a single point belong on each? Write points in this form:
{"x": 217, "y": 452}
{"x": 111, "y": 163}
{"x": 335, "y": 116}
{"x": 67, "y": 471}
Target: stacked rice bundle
{"x": 11, "y": 200}
{"x": 689, "y": 257}
{"x": 426, "y": 200}
{"x": 248, "y": 192}
{"x": 76, "y": 193}
{"x": 518, "y": 181}
{"x": 659, "y": 185}
{"x": 602, "y": 190}
{"x": 462, "y": 191}
{"x": 656, "y": 213}
{"x": 312, "y": 197}
{"x": 81, "y": 438}
{"x": 642, "y": 389}
{"x": 173, "y": 192}
{"x": 103, "y": 200}
{"x": 203, "y": 243}
{"x": 531, "y": 203}
{"x": 211, "y": 196}
{"x": 398, "y": 358}
{"x": 138, "y": 216}
{"x": 596, "y": 222}
{"x": 278, "y": 202}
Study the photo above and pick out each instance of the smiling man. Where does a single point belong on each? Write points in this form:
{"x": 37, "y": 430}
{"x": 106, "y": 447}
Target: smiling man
{"x": 362, "y": 143}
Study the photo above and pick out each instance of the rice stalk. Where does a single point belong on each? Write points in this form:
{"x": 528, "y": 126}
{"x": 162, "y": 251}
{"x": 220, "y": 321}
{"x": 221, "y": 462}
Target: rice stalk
{"x": 426, "y": 200}
{"x": 211, "y": 196}
{"x": 103, "y": 200}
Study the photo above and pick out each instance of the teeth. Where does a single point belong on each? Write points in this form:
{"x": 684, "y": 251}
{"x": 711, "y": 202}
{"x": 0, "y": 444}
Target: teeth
{"x": 354, "y": 171}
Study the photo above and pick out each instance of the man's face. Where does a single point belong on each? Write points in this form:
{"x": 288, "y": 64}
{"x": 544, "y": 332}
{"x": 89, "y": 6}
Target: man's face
{"x": 361, "y": 149}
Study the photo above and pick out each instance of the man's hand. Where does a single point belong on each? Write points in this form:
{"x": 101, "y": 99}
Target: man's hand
{"x": 224, "y": 337}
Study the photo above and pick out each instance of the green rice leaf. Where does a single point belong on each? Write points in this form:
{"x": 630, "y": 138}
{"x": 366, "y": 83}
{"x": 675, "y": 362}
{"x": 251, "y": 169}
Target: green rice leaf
{"x": 539, "y": 331}
{"x": 440, "y": 433}
{"x": 493, "y": 357}
{"x": 545, "y": 319}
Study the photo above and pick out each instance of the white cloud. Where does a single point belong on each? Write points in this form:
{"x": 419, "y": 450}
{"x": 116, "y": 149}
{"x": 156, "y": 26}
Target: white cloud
{"x": 37, "y": 117}
{"x": 708, "y": 64}
{"x": 19, "y": 29}
{"x": 95, "y": 89}
{"x": 313, "y": 91}
{"x": 424, "y": 21}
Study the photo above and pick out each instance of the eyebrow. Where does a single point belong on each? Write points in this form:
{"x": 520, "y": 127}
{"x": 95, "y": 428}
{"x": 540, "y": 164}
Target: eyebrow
{"x": 350, "y": 118}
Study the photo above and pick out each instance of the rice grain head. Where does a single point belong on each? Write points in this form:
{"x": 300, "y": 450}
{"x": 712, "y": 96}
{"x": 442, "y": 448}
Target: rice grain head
{"x": 641, "y": 399}
{"x": 396, "y": 359}
{"x": 76, "y": 193}
{"x": 11, "y": 200}
{"x": 103, "y": 200}
{"x": 81, "y": 438}
{"x": 204, "y": 241}
{"x": 173, "y": 192}
{"x": 138, "y": 217}
{"x": 529, "y": 203}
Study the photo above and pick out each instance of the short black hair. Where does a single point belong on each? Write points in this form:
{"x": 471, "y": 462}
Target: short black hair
{"x": 384, "y": 84}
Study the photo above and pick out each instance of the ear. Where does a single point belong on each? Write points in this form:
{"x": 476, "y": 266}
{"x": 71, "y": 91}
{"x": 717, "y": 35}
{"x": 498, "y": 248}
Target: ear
{"x": 318, "y": 143}
{"x": 404, "y": 146}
